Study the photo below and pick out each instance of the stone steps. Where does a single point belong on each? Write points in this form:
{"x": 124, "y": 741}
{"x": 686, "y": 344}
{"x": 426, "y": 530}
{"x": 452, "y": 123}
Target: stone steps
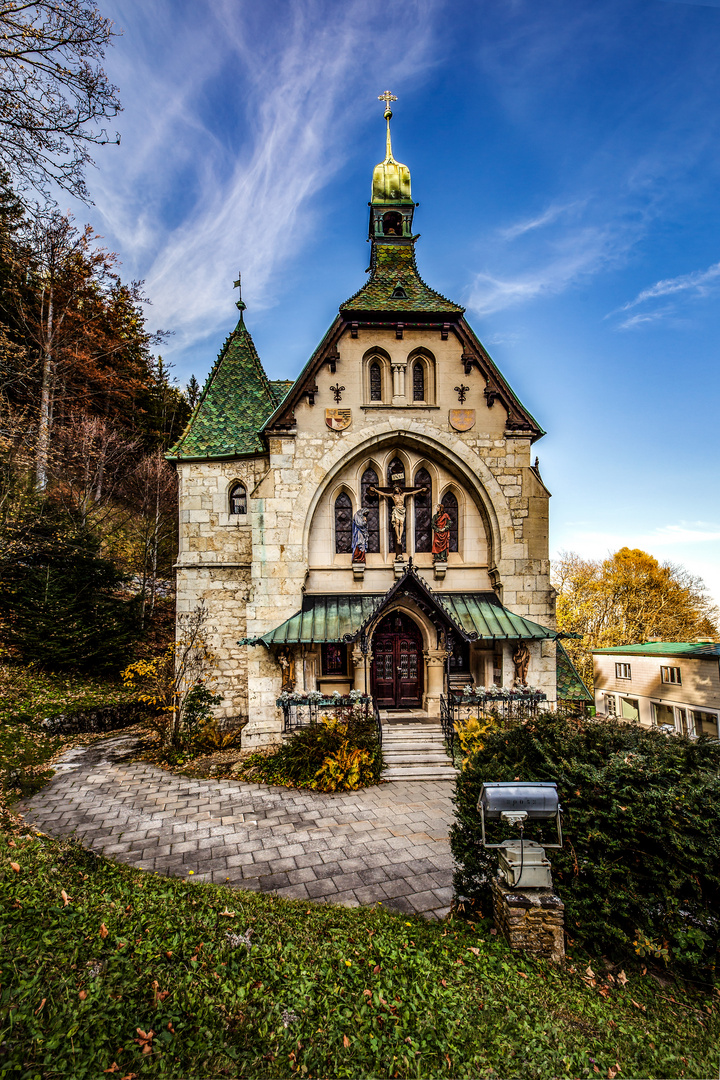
{"x": 415, "y": 751}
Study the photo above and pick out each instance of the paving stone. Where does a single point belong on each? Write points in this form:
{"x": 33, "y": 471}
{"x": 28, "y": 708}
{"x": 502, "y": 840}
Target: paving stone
{"x": 387, "y": 843}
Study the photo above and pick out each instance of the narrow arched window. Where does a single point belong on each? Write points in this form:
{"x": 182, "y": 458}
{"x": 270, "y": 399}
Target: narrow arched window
{"x": 372, "y": 503}
{"x": 418, "y": 381}
{"x": 451, "y": 507}
{"x": 375, "y": 381}
{"x": 423, "y": 512}
{"x": 238, "y": 499}
{"x": 343, "y": 524}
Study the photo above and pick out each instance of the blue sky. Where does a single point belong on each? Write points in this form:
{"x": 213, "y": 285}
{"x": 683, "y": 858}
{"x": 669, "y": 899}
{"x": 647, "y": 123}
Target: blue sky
{"x": 566, "y": 158}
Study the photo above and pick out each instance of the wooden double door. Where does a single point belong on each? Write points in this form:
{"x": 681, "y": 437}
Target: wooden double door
{"x": 397, "y": 667}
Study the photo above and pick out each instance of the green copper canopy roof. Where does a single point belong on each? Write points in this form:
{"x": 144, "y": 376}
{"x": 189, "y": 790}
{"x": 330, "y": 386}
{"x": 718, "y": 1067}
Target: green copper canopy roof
{"x": 395, "y": 285}
{"x": 236, "y": 401}
{"x": 697, "y": 650}
{"x": 340, "y": 618}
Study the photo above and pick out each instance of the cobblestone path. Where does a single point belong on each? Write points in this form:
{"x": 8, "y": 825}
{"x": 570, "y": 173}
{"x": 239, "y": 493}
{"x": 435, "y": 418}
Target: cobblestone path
{"x": 387, "y": 843}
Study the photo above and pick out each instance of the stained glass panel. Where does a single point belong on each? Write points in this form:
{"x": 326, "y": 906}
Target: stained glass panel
{"x": 451, "y": 506}
{"x": 372, "y": 502}
{"x": 423, "y": 512}
{"x": 418, "y": 381}
{"x": 343, "y": 524}
{"x": 395, "y": 475}
{"x": 375, "y": 382}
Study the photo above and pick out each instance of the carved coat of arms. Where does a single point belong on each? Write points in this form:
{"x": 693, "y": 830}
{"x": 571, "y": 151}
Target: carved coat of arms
{"x": 462, "y": 419}
{"x": 338, "y": 419}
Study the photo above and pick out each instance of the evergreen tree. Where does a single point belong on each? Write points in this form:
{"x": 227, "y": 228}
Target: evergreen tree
{"x": 58, "y": 596}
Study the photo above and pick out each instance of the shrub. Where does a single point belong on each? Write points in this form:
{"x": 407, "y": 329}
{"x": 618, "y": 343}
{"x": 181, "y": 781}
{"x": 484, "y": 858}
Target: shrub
{"x": 640, "y": 869}
{"x": 337, "y": 754}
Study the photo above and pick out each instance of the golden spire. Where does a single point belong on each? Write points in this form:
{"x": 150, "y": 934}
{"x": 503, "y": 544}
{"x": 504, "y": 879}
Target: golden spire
{"x": 387, "y": 97}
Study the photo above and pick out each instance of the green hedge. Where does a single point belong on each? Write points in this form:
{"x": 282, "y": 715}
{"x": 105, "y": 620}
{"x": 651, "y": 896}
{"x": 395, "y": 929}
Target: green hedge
{"x": 640, "y": 869}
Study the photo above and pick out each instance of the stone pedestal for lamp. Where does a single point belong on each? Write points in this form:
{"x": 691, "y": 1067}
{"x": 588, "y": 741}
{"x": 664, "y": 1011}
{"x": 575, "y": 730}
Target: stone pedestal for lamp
{"x": 530, "y": 920}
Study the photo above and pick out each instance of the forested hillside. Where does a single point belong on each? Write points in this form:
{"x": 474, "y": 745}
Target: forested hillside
{"x": 88, "y": 504}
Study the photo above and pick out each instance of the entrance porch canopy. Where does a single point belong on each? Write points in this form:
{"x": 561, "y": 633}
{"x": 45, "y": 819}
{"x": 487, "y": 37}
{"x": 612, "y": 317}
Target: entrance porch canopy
{"x": 336, "y": 618}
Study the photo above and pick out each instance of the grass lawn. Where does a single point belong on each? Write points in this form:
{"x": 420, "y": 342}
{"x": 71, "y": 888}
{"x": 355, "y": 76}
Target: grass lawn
{"x": 112, "y": 971}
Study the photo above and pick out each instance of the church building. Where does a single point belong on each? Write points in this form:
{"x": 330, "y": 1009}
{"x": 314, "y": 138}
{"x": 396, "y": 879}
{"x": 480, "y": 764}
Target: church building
{"x": 378, "y": 524}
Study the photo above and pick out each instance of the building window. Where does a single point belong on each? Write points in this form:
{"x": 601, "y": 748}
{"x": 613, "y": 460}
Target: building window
{"x": 375, "y": 381}
{"x": 238, "y": 500}
{"x": 664, "y": 716}
{"x": 706, "y": 723}
{"x": 629, "y": 708}
{"x": 334, "y": 660}
{"x": 670, "y": 675}
{"x": 372, "y": 504}
{"x": 610, "y": 705}
{"x": 418, "y": 381}
{"x": 343, "y": 524}
{"x": 450, "y": 503}
{"x": 622, "y": 671}
{"x": 423, "y": 512}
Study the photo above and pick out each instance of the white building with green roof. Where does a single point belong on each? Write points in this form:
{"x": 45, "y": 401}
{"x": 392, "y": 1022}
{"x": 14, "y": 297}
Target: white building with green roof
{"x": 673, "y": 685}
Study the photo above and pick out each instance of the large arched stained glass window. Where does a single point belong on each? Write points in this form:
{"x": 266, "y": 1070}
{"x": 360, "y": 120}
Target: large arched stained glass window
{"x": 372, "y": 504}
{"x": 451, "y": 507}
{"x": 238, "y": 499}
{"x": 395, "y": 475}
{"x": 343, "y": 524}
{"x": 375, "y": 381}
{"x": 418, "y": 373}
{"x": 423, "y": 512}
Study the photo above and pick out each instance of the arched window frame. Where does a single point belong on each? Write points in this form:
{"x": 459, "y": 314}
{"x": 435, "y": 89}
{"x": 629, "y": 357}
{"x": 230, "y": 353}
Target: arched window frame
{"x": 426, "y": 358}
{"x": 235, "y": 489}
{"x": 456, "y": 541}
{"x": 382, "y": 359}
{"x": 342, "y": 492}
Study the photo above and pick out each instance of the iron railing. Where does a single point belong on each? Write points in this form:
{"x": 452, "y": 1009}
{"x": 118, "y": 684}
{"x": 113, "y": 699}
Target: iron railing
{"x": 300, "y": 710}
{"x": 458, "y": 708}
{"x": 378, "y": 722}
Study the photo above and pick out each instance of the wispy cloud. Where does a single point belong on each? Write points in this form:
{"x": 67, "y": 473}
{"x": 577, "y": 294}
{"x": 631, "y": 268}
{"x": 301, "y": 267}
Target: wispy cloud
{"x": 699, "y": 281}
{"x": 291, "y": 86}
{"x": 573, "y": 254}
{"x": 546, "y": 218}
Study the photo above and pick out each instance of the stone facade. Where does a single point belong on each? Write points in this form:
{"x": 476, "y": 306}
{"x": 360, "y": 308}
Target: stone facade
{"x": 255, "y": 570}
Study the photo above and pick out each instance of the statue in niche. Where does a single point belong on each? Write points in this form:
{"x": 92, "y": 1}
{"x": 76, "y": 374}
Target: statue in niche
{"x": 287, "y": 665}
{"x": 521, "y": 659}
{"x": 359, "y": 535}
{"x": 441, "y": 523}
{"x": 397, "y": 495}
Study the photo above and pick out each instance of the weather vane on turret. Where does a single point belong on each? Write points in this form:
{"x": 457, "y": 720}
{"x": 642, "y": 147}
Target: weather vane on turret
{"x": 239, "y": 302}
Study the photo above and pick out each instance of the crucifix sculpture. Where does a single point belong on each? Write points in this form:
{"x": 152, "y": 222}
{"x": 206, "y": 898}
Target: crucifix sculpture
{"x": 397, "y": 496}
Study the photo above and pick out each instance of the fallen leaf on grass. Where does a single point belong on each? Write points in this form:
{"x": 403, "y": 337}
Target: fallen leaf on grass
{"x": 638, "y": 1005}
{"x": 590, "y": 973}
{"x": 15, "y": 866}
{"x": 346, "y": 1041}
{"x": 103, "y": 931}
{"x": 367, "y": 993}
{"x": 613, "y": 1071}
{"x": 82, "y": 995}
{"x": 170, "y": 1028}
{"x": 474, "y": 951}
{"x": 40, "y": 1006}
{"x": 113, "y": 1068}
{"x": 522, "y": 974}
{"x": 65, "y": 897}
{"x": 443, "y": 982}
{"x": 376, "y": 969}
{"x": 228, "y": 914}
{"x": 144, "y": 1040}
{"x": 622, "y": 978}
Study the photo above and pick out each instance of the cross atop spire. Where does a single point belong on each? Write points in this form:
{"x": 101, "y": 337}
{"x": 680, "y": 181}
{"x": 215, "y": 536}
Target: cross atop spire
{"x": 387, "y": 97}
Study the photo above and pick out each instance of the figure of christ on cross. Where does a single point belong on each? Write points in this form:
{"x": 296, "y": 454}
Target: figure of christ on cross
{"x": 397, "y": 495}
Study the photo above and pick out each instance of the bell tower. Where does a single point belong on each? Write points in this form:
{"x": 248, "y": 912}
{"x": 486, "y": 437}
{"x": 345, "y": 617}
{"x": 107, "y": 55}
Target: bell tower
{"x": 391, "y": 205}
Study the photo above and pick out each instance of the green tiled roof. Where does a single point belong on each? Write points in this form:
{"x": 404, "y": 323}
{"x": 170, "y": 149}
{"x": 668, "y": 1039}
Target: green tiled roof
{"x": 340, "y": 617}
{"x": 280, "y": 388}
{"x": 394, "y": 270}
{"x": 236, "y": 401}
{"x": 570, "y": 687}
{"x": 699, "y": 650}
